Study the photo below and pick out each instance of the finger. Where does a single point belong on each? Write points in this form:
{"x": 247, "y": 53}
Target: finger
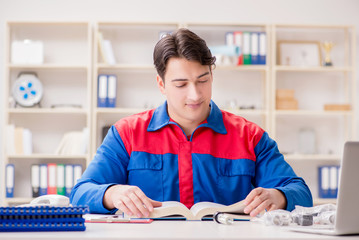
{"x": 260, "y": 208}
{"x": 131, "y": 206}
{"x": 156, "y": 203}
{"x": 121, "y": 206}
{"x": 272, "y": 207}
{"x": 251, "y": 196}
{"x": 144, "y": 200}
{"x": 140, "y": 204}
{"x": 256, "y": 201}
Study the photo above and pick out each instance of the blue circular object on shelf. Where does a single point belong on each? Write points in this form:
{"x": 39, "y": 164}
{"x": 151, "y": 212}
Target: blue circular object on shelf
{"x": 27, "y": 90}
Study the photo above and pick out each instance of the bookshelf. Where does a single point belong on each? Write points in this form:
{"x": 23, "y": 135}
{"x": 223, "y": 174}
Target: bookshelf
{"x": 314, "y": 86}
{"x": 66, "y": 82}
{"x": 240, "y": 89}
{"x": 132, "y": 45}
{"x": 74, "y": 80}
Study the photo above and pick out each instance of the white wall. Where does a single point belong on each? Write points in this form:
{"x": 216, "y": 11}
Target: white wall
{"x": 336, "y": 12}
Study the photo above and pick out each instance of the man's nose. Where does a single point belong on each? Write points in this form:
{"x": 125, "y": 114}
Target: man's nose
{"x": 194, "y": 92}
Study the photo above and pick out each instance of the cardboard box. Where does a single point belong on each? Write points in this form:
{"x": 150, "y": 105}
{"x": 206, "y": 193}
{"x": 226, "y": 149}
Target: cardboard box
{"x": 337, "y": 107}
{"x": 285, "y": 94}
{"x": 287, "y": 104}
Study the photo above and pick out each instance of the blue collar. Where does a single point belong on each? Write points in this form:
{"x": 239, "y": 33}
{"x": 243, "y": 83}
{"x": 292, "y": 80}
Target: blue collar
{"x": 160, "y": 119}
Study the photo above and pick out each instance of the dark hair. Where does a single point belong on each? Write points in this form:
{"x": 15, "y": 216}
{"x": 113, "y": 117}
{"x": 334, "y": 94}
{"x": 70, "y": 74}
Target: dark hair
{"x": 183, "y": 44}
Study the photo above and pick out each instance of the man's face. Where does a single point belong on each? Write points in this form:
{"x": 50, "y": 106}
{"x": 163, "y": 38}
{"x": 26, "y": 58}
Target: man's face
{"x": 188, "y": 89}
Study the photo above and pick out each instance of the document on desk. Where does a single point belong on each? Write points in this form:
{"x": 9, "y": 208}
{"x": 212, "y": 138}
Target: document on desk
{"x": 114, "y": 218}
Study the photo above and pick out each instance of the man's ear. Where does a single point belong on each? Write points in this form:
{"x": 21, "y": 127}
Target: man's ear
{"x": 161, "y": 84}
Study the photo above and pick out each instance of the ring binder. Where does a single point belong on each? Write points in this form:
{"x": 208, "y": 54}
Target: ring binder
{"x": 42, "y": 218}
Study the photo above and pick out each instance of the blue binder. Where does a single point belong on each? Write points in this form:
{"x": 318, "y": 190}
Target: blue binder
{"x": 42, "y": 218}
{"x": 254, "y": 48}
{"x": 102, "y": 91}
{"x": 262, "y": 48}
{"x": 328, "y": 181}
{"x": 43, "y": 179}
{"x": 111, "y": 90}
{"x": 10, "y": 180}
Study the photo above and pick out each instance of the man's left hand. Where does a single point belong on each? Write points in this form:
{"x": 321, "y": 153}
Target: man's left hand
{"x": 260, "y": 199}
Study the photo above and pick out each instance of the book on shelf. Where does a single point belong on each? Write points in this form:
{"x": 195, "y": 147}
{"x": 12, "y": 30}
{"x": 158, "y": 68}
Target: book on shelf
{"x": 51, "y": 178}
{"x": 43, "y": 179}
{"x": 69, "y": 179}
{"x": 173, "y": 209}
{"x": 60, "y": 179}
{"x": 19, "y": 140}
{"x": 105, "y": 130}
{"x": 106, "y": 50}
{"x": 111, "y": 91}
{"x": 54, "y": 178}
{"x": 73, "y": 143}
{"x": 238, "y": 41}
{"x": 247, "y": 48}
{"x": 10, "y": 180}
{"x": 35, "y": 180}
{"x": 254, "y": 48}
{"x": 262, "y": 48}
{"x": 328, "y": 181}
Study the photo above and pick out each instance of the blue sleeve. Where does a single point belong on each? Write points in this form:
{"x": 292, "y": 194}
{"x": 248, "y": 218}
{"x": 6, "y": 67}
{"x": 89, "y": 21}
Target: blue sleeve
{"x": 272, "y": 171}
{"x": 109, "y": 167}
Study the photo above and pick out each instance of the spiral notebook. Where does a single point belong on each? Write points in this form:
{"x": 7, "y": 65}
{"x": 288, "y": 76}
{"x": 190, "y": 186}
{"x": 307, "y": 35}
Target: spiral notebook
{"x": 42, "y": 218}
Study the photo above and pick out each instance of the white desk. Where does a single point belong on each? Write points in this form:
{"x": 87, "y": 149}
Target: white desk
{"x": 172, "y": 230}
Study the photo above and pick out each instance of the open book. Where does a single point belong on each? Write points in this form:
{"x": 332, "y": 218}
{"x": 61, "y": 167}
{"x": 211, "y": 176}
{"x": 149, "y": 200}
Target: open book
{"x": 198, "y": 210}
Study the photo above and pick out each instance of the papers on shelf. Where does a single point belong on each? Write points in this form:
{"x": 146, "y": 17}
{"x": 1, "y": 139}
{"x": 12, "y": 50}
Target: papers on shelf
{"x": 106, "y": 50}
{"x": 19, "y": 140}
{"x": 73, "y": 143}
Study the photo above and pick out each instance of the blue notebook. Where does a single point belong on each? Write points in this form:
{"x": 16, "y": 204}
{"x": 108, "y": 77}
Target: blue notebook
{"x": 42, "y": 218}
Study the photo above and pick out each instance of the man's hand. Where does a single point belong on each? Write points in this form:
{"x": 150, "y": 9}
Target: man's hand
{"x": 260, "y": 199}
{"x": 130, "y": 200}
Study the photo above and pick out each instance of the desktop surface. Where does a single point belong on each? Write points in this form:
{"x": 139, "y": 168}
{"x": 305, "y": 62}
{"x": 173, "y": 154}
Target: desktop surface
{"x": 173, "y": 230}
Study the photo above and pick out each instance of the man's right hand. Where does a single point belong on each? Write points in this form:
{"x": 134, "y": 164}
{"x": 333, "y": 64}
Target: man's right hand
{"x": 130, "y": 200}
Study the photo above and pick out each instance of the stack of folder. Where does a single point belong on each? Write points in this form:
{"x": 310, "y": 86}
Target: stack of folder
{"x": 42, "y": 218}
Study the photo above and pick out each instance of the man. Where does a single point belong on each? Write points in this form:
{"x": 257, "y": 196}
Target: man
{"x": 187, "y": 149}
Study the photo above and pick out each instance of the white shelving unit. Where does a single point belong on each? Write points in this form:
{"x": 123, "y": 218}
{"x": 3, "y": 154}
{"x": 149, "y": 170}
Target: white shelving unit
{"x": 137, "y": 91}
{"x": 66, "y": 79}
{"x": 73, "y": 62}
{"x": 244, "y": 86}
{"x": 315, "y": 86}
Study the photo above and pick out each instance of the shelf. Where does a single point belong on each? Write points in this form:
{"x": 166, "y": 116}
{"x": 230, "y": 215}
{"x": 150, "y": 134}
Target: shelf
{"x": 119, "y": 110}
{"x": 46, "y": 156}
{"x": 18, "y": 200}
{"x": 312, "y": 113}
{"x": 310, "y": 157}
{"x": 280, "y": 68}
{"x": 320, "y": 201}
{"x": 137, "y": 110}
{"x": 262, "y": 68}
{"x": 311, "y": 26}
{"x": 245, "y": 112}
{"x": 76, "y": 111}
{"x": 47, "y": 66}
{"x": 104, "y": 66}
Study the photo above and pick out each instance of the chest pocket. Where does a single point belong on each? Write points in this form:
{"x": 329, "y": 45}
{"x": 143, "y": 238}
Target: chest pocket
{"x": 231, "y": 168}
{"x": 235, "y": 179}
{"x": 145, "y": 171}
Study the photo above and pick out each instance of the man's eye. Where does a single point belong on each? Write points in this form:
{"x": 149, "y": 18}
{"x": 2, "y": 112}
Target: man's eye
{"x": 179, "y": 86}
{"x": 203, "y": 81}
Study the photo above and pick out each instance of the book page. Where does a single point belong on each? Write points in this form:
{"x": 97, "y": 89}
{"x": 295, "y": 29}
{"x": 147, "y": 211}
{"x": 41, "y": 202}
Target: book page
{"x": 210, "y": 208}
{"x": 202, "y": 205}
{"x": 170, "y": 208}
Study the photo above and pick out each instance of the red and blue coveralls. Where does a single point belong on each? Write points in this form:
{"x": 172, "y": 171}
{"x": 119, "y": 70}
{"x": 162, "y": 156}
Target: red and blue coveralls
{"x": 222, "y": 161}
